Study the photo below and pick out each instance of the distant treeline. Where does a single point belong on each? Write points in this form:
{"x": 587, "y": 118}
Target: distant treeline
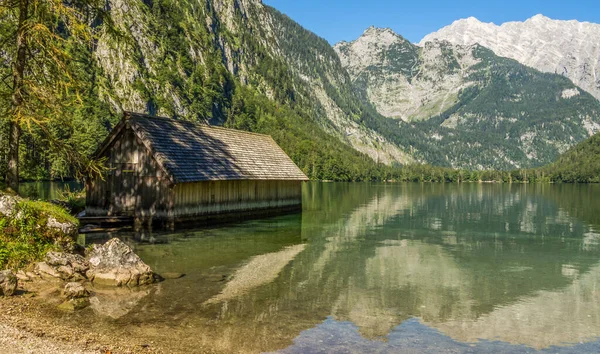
{"x": 581, "y": 164}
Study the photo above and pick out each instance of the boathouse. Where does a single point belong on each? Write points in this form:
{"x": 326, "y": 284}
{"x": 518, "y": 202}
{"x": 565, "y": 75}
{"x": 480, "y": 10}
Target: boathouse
{"x": 168, "y": 170}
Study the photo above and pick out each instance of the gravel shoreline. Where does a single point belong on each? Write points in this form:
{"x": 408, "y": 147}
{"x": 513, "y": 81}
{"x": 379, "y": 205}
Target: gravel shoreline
{"x": 29, "y": 324}
{"x": 17, "y": 341}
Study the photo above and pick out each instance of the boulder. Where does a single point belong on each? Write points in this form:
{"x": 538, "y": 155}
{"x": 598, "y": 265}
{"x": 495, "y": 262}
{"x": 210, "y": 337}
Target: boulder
{"x": 8, "y": 283}
{"x": 74, "y": 304}
{"x": 8, "y": 207}
{"x": 64, "y": 266}
{"x": 115, "y": 264}
{"x": 67, "y": 228}
{"x": 74, "y": 261}
{"x": 46, "y": 272}
{"x": 8, "y": 203}
{"x": 75, "y": 291}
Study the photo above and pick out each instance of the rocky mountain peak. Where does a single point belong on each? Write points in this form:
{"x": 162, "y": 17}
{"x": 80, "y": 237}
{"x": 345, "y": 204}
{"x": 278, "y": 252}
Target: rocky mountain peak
{"x": 569, "y": 48}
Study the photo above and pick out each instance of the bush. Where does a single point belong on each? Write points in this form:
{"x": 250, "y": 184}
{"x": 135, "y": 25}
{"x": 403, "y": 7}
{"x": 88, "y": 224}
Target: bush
{"x": 25, "y": 236}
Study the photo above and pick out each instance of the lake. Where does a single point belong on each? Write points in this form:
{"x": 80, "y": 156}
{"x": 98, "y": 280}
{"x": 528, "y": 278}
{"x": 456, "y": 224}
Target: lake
{"x": 457, "y": 268}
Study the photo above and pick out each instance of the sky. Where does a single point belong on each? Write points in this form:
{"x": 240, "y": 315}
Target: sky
{"x": 337, "y": 20}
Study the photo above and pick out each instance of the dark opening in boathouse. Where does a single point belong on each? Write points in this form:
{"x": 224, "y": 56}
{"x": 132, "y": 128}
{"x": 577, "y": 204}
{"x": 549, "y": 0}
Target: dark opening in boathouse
{"x": 174, "y": 171}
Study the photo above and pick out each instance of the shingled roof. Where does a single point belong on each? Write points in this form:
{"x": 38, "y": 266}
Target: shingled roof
{"x": 192, "y": 152}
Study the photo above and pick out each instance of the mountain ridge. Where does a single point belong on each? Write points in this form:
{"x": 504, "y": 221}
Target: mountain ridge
{"x": 480, "y": 110}
{"x": 566, "y": 47}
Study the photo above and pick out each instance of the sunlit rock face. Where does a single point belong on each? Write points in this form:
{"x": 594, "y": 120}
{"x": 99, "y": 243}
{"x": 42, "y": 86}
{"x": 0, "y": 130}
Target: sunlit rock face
{"x": 479, "y": 108}
{"x": 403, "y": 80}
{"x": 569, "y": 48}
{"x": 145, "y": 76}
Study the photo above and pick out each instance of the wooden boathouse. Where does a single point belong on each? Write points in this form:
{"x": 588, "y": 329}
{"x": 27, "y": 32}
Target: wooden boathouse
{"x": 174, "y": 171}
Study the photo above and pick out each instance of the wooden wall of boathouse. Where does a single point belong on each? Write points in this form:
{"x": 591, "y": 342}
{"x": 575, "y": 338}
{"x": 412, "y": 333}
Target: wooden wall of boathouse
{"x": 133, "y": 183}
{"x": 137, "y": 186}
{"x": 215, "y": 197}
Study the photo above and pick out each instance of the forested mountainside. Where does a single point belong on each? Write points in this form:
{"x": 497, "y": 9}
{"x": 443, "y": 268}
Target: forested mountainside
{"x": 244, "y": 65}
{"x": 581, "y": 164}
{"x": 568, "y": 48}
{"x": 479, "y": 110}
{"x": 236, "y": 63}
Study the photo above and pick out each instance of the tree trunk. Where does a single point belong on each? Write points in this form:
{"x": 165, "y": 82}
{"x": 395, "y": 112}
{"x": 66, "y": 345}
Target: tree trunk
{"x": 12, "y": 174}
{"x": 18, "y": 70}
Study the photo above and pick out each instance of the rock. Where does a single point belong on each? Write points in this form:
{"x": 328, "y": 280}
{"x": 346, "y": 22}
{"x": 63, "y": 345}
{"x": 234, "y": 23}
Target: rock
{"x": 77, "y": 262}
{"x": 22, "y": 276}
{"x": 8, "y": 283}
{"x": 172, "y": 275}
{"x": 63, "y": 266}
{"x": 67, "y": 228}
{"x": 8, "y": 204}
{"x": 47, "y": 272}
{"x": 117, "y": 302}
{"x": 74, "y": 304}
{"x": 75, "y": 291}
{"x": 115, "y": 264}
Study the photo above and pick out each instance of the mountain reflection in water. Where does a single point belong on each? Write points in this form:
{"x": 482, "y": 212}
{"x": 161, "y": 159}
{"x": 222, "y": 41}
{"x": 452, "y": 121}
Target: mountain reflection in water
{"x": 386, "y": 267}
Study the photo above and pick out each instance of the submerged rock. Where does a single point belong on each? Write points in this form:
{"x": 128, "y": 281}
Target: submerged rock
{"x": 74, "y": 304}
{"x": 115, "y": 264}
{"x": 117, "y": 302}
{"x": 75, "y": 291}
{"x": 172, "y": 275}
{"x": 8, "y": 283}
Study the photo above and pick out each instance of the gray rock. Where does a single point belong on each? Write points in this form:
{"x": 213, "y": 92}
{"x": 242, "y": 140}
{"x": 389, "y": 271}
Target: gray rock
{"x": 67, "y": 228}
{"x": 63, "y": 266}
{"x": 22, "y": 276}
{"x": 8, "y": 283}
{"x": 46, "y": 271}
{"x": 8, "y": 204}
{"x": 75, "y": 291}
{"x": 115, "y": 264}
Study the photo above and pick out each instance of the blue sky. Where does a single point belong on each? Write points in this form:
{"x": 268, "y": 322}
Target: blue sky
{"x": 337, "y": 20}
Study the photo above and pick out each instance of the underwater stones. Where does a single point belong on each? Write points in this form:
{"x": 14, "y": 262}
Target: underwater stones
{"x": 75, "y": 291}
{"x": 8, "y": 283}
{"x": 117, "y": 302}
{"x": 172, "y": 275}
{"x": 74, "y": 304}
{"x": 115, "y": 264}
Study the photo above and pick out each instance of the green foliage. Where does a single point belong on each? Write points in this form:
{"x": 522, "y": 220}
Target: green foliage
{"x": 24, "y": 236}
{"x": 581, "y": 164}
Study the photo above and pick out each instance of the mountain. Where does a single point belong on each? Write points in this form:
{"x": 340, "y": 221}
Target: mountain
{"x": 237, "y": 63}
{"x": 581, "y": 164}
{"x": 477, "y": 110}
{"x": 188, "y": 59}
{"x": 568, "y": 48}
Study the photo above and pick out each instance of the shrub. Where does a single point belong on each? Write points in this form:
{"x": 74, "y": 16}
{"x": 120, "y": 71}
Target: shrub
{"x": 25, "y": 236}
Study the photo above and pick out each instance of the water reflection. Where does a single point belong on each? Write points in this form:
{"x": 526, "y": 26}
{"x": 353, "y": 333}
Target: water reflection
{"x": 509, "y": 266}
{"x": 47, "y": 190}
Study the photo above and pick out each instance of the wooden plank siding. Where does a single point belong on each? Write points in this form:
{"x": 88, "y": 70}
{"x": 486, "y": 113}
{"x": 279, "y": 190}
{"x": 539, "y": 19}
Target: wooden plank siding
{"x": 134, "y": 185}
{"x": 214, "y": 197}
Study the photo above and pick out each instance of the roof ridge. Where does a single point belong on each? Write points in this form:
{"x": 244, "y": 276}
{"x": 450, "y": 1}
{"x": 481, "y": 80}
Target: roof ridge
{"x": 198, "y": 124}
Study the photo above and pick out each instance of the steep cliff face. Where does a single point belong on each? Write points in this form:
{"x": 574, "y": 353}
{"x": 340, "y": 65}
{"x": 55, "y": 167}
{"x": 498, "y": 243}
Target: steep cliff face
{"x": 184, "y": 58}
{"x": 479, "y": 110}
{"x": 568, "y": 48}
{"x": 403, "y": 80}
